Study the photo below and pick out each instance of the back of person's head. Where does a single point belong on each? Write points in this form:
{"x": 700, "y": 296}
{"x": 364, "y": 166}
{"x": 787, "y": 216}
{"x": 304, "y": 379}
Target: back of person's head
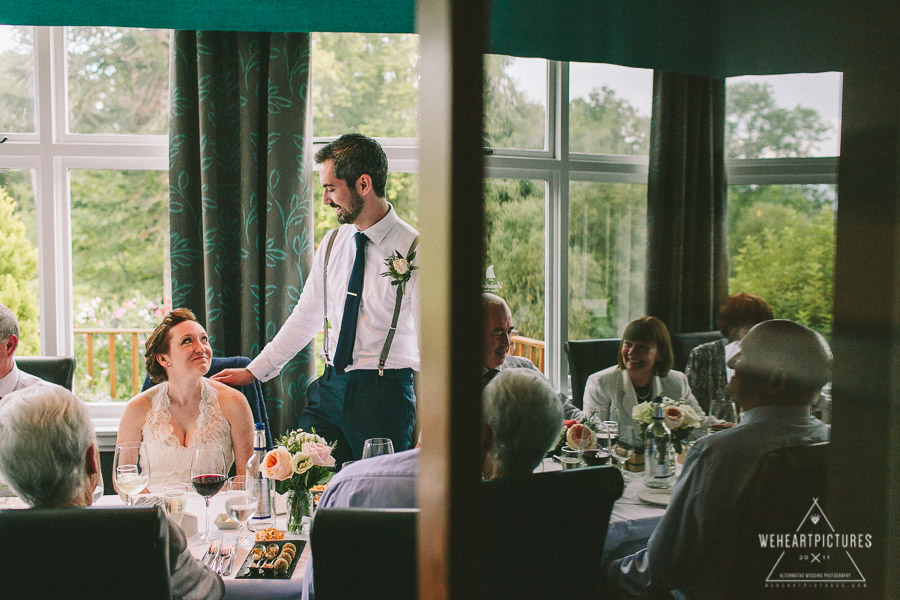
{"x": 45, "y": 433}
{"x": 158, "y": 342}
{"x": 743, "y": 311}
{"x": 525, "y": 417}
{"x": 651, "y": 330}
{"x": 355, "y": 154}
{"x": 790, "y": 361}
{"x": 9, "y": 324}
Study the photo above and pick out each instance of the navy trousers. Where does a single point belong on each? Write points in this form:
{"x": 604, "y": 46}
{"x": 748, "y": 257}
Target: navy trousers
{"x": 359, "y": 405}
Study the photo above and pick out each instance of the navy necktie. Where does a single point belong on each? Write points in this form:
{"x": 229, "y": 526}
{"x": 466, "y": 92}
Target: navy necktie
{"x": 344, "y": 354}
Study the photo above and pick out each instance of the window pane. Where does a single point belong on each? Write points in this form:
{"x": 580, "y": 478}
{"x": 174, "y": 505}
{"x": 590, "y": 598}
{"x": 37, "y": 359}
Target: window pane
{"x": 19, "y": 256}
{"x": 781, "y": 247}
{"x": 609, "y": 109}
{"x": 780, "y": 116}
{"x": 16, "y": 79}
{"x": 118, "y": 80}
{"x": 515, "y": 102}
{"x": 607, "y": 245}
{"x": 366, "y": 83}
{"x": 514, "y": 261}
{"x": 120, "y": 281}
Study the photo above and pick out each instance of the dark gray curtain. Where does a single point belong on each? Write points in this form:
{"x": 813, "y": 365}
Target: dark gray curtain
{"x": 240, "y": 205}
{"x": 687, "y": 262}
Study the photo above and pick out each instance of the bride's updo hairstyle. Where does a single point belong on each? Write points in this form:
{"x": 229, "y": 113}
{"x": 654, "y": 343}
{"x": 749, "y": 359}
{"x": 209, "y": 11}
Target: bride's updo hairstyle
{"x": 158, "y": 342}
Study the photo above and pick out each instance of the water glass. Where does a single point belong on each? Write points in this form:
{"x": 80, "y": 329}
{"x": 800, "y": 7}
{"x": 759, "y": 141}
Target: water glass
{"x": 570, "y": 458}
{"x": 241, "y": 502}
{"x": 174, "y": 498}
{"x": 724, "y": 410}
{"x": 131, "y": 470}
{"x": 377, "y": 447}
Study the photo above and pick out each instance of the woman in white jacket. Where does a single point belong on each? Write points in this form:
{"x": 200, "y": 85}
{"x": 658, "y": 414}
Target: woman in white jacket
{"x": 643, "y": 373}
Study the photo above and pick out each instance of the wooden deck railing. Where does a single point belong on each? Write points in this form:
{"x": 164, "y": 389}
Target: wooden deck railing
{"x": 137, "y": 353}
{"x": 530, "y": 348}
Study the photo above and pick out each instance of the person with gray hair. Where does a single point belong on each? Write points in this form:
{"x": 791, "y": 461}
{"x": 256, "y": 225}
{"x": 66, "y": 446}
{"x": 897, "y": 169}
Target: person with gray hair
{"x": 521, "y": 422}
{"x": 64, "y": 473}
{"x": 11, "y": 378}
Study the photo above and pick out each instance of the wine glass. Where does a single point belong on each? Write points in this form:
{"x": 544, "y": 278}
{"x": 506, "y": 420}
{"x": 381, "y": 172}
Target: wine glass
{"x": 174, "y": 498}
{"x": 98, "y": 490}
{"x": 622, "y": 451}
{"x": 209, "y": 472}
{"x": 242, "y": 499}
{"x": 377, "y": 447}
{"x": 610, "y": 430}
{"x": 724, "y": 410}
{"x": 131, "y": 470}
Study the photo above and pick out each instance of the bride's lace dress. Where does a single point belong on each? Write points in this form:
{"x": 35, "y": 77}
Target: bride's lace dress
{"x": 169, "y": 460}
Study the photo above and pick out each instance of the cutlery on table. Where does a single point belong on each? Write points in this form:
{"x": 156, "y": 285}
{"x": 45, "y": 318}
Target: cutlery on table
{"x": 227, "y": 571}
{"x": 211, "y": 553}
{"x": 225, "y": 550}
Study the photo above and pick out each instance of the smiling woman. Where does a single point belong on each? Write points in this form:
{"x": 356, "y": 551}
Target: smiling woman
{"x": 185, "y": 410}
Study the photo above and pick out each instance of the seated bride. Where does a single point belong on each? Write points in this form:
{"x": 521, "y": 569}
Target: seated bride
{"x": 185, "y": 410}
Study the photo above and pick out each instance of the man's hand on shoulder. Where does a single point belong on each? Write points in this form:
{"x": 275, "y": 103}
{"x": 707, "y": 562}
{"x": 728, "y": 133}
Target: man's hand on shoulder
{"x": 234, "y": 377}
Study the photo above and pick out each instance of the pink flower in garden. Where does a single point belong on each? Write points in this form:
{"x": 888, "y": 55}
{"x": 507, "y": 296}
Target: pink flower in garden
{"x": 130, "y": 304}
{"x": 157, "y": 312}
{"x": 120, "y": 312}
{"x": 320, "y": 453}
{"x": 101, "y": 323}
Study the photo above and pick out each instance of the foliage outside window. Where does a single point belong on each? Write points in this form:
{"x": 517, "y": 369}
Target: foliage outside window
{"x": 18, "y": 274}
{"x": 17, "y": 75}
{"x": 515, "y": 107}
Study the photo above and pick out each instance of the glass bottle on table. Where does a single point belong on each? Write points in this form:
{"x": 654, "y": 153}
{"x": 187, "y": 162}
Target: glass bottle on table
{"x": 657, "y": 450}
{"x": 265, "y": 513}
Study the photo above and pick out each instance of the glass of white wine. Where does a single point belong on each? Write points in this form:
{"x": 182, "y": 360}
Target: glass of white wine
{"x": 175, "y": 497}
{"x": 241, "y": 502}
{"x": 131, "y": 470}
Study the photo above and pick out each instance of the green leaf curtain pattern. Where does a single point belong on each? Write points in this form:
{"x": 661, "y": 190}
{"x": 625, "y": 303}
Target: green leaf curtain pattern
{"x": 687, "y": 260}
{"x": 240, "y": 208}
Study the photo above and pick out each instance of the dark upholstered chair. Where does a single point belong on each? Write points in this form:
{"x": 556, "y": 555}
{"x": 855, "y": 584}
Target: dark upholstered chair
{"x": 546, "y": 531}
{"x": 252, "y": 392}
{"x": 683, "y": 343}
{"x": 55, "y": 369}
{"x": 586, "y": 357}
{"x": 97, "y": 553}
{"x": 365, "y": 553}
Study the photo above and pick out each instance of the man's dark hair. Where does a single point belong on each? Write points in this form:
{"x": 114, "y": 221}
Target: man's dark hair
{"x": 355, "y": 154}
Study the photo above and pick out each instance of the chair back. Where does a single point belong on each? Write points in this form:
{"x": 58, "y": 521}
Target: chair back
{"x": 55, "y": 369}
{"x": 542, "y": 527}
{"x": 97, "y": 553}
{"x": 586, "y": 357}
{"x": 788, "y": 489}
{"x": 365, "y": 553}
{"x": 683, "y": 343}
{"x": 253, "y": 392}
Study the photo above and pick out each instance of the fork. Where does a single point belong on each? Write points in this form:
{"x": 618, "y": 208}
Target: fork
{"x": 225, "y": 551}
{"x": 210, "y": 557}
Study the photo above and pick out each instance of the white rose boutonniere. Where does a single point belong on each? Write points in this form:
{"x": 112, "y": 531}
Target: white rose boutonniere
{"x": 400, "y": 268}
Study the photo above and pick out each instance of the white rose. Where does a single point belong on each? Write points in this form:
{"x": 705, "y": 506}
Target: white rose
{"x": 401, "y": 266}
{"x": 301, "y": 463}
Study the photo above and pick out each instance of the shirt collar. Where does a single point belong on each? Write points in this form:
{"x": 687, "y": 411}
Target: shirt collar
{"x": 8, "y": 383}
{"x": 773, "y": 413}
{"x": 377, "y": 232}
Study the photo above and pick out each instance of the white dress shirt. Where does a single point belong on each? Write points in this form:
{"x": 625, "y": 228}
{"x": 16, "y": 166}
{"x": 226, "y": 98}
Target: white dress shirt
{"x": 376, "y": 308}
{"x": 17, "y": 380}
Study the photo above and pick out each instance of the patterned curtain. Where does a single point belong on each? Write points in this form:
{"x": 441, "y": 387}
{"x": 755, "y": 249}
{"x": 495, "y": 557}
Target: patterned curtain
{"x": 239, "y": 202}
{"x": 687, "y": 260}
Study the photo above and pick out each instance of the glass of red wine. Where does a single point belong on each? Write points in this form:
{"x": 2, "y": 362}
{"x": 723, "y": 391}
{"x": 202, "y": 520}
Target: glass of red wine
{"x": 209, "y": 472}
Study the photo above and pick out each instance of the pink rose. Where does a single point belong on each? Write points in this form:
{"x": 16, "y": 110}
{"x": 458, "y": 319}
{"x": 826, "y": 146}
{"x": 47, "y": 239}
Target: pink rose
{"x": 581, "y": 437}
{"x": 277, "y": 464}
{"x": 320, "y": 453}
{"x": 673, "y": 417}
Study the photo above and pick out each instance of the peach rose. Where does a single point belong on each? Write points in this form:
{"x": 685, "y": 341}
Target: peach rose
{"x": 580, "y": 436}
{"x": 320, "y": 453}
{"x": 277, "y": 464}
{"x": 673, "y": 417}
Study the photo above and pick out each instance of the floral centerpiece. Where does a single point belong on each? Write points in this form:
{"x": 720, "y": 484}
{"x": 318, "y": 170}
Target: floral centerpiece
{"x": 299, "y": 461}
{"x": 678, "y": 416}
{"x": 578, "y": 433}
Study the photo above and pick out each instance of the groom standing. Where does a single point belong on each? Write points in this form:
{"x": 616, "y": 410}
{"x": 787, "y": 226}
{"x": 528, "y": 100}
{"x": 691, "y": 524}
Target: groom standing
{"x": 363, "y": 287}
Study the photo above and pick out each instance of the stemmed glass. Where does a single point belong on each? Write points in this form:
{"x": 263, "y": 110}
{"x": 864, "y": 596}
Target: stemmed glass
{"x": 622, "y": 451}
{"x": 241, "y": 502}
{"x": 131, "y": 470}
{"x": 98, "y": 490}
{"x": 377, "y": 447}
{"x": 209, "y": 472}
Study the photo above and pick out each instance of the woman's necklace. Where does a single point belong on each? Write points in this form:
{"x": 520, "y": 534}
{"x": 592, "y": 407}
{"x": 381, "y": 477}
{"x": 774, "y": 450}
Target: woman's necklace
{"x": 643, "y": 392}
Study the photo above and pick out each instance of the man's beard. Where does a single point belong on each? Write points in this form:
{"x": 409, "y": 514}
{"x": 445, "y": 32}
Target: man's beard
{"x": 356, "y": 205}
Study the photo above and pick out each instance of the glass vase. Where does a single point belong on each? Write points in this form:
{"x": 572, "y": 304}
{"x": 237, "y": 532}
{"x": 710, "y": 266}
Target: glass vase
{"x": 299, "y": 505}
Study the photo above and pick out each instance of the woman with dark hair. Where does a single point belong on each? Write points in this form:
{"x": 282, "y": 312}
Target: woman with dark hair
{"x": 185, "y": 410}
{"x": 706, "y": 366}
{"x": 643, "y": 373}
